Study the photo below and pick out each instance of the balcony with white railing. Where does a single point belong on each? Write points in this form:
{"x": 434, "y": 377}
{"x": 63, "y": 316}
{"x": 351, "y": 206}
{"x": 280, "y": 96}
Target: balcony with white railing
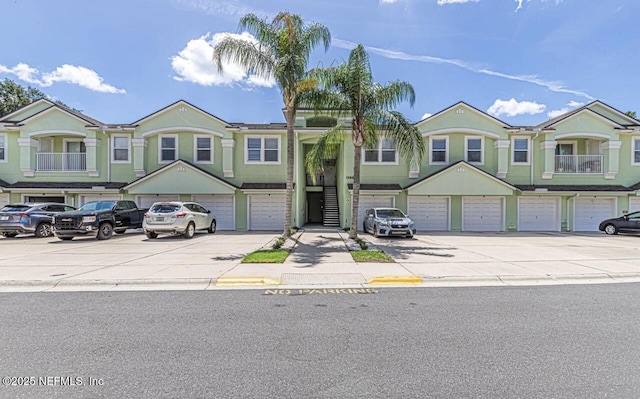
{"x": 61, "y": 162}
{"x": 578, "y": 164}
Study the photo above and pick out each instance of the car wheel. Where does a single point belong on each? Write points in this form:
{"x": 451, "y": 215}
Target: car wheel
{"x": 364, "y": 227}
{"x": 376, "y": 231}
{"x": 120, "y": 231}
{"x": 190, "y": 231}
{"x": 65, "y": 238}
{"x": 9, "y": 235}
{"x": 212, "y": 228}
{"x": 152, "y": 234}
{"x": 43, "y": 230}
{"x": 105, "y": 231}
{"x": 610, "y": 229}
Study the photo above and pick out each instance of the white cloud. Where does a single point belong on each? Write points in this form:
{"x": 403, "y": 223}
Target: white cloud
{"x": 443, "y": 2}
{"x": 78, "y": 75}
{"x": 529, "y": 1}
{"x": 231, "y": 8}
{"x": 388, "y": 1}
{"x": 557, "y": 87}
{"x": 195, "y": 64}
{"x": 513, "y": 108}
{"x": 425, "y": 116}
{"x": 570, "y": 105}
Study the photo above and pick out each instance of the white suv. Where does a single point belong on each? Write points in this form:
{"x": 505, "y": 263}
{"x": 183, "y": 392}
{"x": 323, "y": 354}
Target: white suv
{"x": 176, "y": 217}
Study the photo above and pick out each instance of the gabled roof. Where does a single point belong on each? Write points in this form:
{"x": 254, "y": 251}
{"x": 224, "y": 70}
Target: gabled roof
{"x": 263, "y": 186}
{"x": 474, "y": 109}
{"x": 73, "y": 113}
{"x": 635, "y": 186}
{"x": 457, "y": 165}
{"x": 3, "y": 183}
{"x": 187, "y": 164}
{"x": 7, "y": 118}
{"x": 179, "y": 102}
{"x": 588, "y": 108}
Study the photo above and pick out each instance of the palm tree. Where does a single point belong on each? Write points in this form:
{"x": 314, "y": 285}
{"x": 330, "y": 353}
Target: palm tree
{"x": 281, "y": 52}
{"x": 348, "y": 90}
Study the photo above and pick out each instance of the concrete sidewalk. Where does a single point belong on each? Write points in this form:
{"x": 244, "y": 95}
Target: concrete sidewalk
{"x": 320, "y": 259}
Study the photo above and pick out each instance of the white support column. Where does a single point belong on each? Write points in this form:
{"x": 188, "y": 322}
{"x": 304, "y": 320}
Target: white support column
{"x": 138, "y": 156}
{"x": 503, "y": 157}
{"x": 227, "y": 157}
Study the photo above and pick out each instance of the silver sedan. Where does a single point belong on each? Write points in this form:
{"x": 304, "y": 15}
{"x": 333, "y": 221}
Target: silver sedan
{"x": 177, "y": 217}
{"x": 388, "y": 222}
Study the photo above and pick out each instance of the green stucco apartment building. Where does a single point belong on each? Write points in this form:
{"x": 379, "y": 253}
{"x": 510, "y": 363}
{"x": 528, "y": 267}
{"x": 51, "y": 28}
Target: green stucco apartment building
{"x": 478, "y": 173}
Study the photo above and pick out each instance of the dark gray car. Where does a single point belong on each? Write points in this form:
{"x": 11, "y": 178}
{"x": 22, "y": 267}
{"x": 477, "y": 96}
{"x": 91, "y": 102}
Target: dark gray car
{"x": 31, "y": 218}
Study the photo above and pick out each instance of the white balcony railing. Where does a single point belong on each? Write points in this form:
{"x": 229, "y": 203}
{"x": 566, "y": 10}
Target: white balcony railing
{"x": 61, "y": 162}
{"x": 578, "y": 163}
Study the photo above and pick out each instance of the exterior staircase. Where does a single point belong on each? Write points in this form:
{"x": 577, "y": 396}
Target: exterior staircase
{"x": 331, "y": 213}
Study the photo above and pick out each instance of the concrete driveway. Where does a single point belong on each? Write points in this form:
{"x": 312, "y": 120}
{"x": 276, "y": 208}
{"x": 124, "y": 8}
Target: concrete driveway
{"x": 482, "y": 255}
{"x": 128, "y": 256}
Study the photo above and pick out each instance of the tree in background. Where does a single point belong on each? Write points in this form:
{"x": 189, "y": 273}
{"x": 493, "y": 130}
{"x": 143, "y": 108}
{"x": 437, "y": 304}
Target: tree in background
{"x": 348, "y": 90}
{"x": 281, "y": 52}
{"x": 631, "y": 114}
{"x": 14, "y": 96}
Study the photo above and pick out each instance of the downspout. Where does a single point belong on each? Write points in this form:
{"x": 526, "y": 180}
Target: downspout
{"x": 574, "y": 216}
{"x": 108, "y": 155}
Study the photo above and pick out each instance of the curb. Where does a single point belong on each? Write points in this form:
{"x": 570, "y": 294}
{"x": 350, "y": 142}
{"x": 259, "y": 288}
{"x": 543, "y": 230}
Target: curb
{"x": 395, "y": 280}
{"x": 246, "y": 280}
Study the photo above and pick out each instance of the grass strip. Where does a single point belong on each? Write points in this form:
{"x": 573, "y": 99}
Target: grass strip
{"x": 371, "y": 257}
{"x": 266, "y": 256}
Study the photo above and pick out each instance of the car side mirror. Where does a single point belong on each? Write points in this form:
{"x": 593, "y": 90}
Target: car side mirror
{"x": 208, "y": 211}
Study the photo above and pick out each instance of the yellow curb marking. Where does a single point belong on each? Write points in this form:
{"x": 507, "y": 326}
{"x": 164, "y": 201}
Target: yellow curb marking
{"x": 395, "y": 280}
{"x": 249, "y": 280}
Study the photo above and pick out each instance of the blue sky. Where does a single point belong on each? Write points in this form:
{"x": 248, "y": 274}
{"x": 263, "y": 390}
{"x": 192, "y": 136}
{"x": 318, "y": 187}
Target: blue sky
{"x": 522, "y": 61}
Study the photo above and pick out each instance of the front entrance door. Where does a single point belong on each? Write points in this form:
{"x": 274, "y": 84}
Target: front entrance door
{"x": 314, "y": 207}
{"x": 330, "y": 172}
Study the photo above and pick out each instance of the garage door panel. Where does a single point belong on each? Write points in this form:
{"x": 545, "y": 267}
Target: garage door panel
{"x": 429, "y": 213}
{"x": 589, "y": 212}
{"x": 634, "y": 204}
{"x": 222, "y": 207}
{"x": 483, "y": 214}
{"x": 266, "y": 212}
{"x": 371, "y": 201}
{"x": 538, "y": 214}
{"x": 4, "y": 199}
{"x": 105, "y": 197}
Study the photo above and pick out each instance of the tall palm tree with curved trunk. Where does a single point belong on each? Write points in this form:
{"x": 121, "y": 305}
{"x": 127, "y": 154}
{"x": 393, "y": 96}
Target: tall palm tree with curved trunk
{"x": 281, "y": 52}
{"x": 348, "y": 90}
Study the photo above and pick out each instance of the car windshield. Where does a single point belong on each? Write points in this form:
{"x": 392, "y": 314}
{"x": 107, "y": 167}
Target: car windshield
{"x": 97, "y": 206}
{"x": 164, "y": 208}
{"x": 390, "y": 213}
{"x": 15, "y": 208}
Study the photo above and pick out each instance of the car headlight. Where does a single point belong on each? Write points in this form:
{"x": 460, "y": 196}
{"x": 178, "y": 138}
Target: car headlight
{"x": 53, "y": 220}
{"x": 88, "y": 219}
{"x": 384, "y": 224}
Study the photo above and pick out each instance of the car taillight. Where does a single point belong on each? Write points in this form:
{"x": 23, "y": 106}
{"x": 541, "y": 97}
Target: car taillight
{"x": 26, "y": 215}
{"x": 181, "y": 215}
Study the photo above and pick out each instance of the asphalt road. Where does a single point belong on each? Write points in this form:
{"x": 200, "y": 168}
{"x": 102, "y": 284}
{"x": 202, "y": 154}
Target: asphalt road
{"x": 495, "y": 342}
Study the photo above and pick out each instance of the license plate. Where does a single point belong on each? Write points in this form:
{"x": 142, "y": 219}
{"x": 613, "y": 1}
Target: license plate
{"x": 160, "y": 219}
{"x": 4, "y": 217}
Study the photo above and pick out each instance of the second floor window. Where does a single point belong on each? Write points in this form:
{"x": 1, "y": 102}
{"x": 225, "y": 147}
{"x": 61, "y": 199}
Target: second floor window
{"x": 473, "y": 150}
{"x": 439, "y": 153}
{"x": 120, "y": 149}
{"x": 636, "y": 151}
{"x": 262, "y": 150}
{"x": 385, "y": 152}
{"x": 203, "y": 149}
{"x": 520, "y": 151}
{"x": 3, "y": 147}
{"x": 168, "y": 149}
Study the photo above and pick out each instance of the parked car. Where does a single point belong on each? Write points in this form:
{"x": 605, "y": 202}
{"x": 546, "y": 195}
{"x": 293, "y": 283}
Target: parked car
{"x": 30, "y": 218}
{"x": 387, "y": 222}
{"x": 629, "y": 223}
{"x": 99, "y": 218}
{"x": 177, "y": 217}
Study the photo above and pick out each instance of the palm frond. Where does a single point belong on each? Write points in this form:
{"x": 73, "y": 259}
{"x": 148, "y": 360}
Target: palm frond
{"x": 327, "y": 147}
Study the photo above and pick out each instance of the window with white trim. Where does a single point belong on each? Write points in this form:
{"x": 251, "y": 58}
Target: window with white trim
{"x": 3, "y": 148}
{"x": 439, "y": 154}
{"x": 167, "y": 148}
{"x": 385, "y": 153}
{"x": 120, "y": 148}
{"x": 520, "y": 150}
{"x": 635, "y": 156}
{"x": 203, "y": 149}
{"x": 474, "y": 149}
{"x": 262, "y": 149}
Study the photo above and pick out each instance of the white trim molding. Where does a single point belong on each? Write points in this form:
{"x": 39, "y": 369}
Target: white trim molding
{"x": 22, "y": 142}
{"x": 446, "y": 150}
{"x": 176, "y": 129}
{"x": 139, "y": 142}
{"x": 228, "y": 143}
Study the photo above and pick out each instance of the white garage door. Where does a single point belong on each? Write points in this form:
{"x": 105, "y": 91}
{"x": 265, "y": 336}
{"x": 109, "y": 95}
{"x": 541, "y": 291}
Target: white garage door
{"x": 539, "y": 214}
{"x": 98, "y": 197}
{"x": 4, "y": 199}
{"x": 222, "y": 207}
{"x": 371, "y": 201}
{"x": 589, "y": 212}
{"x": 482, "y": 214}
{"x": 266, "y": 212}
{"x": 634, "y": 204}
{"x": 429, "y": 213}
{"x": 145, "y": 201}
